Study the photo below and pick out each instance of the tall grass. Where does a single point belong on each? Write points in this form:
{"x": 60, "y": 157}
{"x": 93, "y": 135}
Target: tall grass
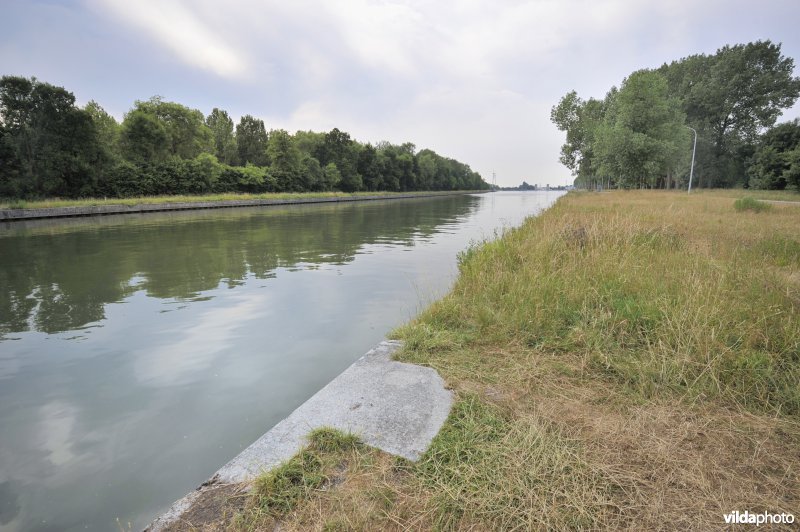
{"x": 749, "y": 203}
{"x": 763, "y": 195}
{"x": 624, "y": 360}
{"x": 658, "y": 293}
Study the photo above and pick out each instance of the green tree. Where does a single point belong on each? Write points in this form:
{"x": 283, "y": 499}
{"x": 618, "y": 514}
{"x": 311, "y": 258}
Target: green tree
{"x": 48, "y": 146}
{"x": 309, "y": 142}
{"x": 331, "y": 177}
{"x": 729, "y": 98}
{"x": 313, "y": 175}
{"x": 251, "y": 140}
{"x": 369, "y": 168}
{"x": 338, "y": 148}
{"x": 143, "y": 138}
{"x": 776, "y": 161}
{"x": 566, "y": 115}
{"x": 221, "y": 126}
{"x": 10, "y": 166}
{"x": 285, "y": 161}
{"x": 408, "y": 166}
{"x": 427, "y": 165}
{"x": 254, "y": 178}
{"x": 580, "y": 120}
{"x": 207, "y": 170}
{"x": 187, "y": 135}
{"x": 51, "y": 146}
{"x": 642, "y": 133}
{"x": 108, "y": 130}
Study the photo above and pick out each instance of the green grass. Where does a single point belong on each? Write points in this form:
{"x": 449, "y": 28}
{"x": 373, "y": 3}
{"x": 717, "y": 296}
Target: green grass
{"x": 493, "y": 466}
{"x": 280, "y": 490}
{"x": 749, "y": 203}
{"x": 156, "y": 200}
{"x": 625, "y": 360}
{"x": 783, "y": 251}
{"x": 764, "y": 195}
{"x": 14, "y": 204}
{"x": 656, "y": 303}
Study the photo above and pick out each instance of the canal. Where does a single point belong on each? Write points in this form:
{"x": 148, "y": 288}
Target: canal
{"x": 139, "y": 353}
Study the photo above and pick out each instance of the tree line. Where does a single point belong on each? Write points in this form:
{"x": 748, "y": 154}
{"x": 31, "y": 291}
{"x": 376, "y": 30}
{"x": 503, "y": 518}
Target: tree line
{"x": 640, "y": 135}
{"x": 49, "y": 146}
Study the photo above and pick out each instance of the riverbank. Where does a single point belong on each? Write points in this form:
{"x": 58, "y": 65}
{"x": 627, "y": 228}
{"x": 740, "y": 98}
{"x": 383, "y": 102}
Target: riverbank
{"x": 392, "y": 406}
{"x": 58, "y": 208}
{"x": 625, "y": 360}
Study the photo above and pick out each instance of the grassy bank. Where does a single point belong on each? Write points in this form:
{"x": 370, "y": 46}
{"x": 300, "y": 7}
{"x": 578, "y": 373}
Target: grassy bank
{"x": 158, "y": 200}
{"x": 764, "y": 195}
{"x": 625, "y": 360}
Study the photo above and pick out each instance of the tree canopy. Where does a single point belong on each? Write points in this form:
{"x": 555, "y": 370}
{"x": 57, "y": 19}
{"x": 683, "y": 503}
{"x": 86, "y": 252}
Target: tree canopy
{"x": 776, "y": 161}
{"x": 638, "y": 135}
{"x": 51, "y": 147}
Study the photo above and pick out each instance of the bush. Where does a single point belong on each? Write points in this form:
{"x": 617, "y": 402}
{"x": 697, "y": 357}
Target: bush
{"x": 122, "y": 181}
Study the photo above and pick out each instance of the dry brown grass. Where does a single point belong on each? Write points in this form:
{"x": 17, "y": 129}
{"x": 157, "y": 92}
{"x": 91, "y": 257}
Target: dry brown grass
{"x": 627, "y": 360}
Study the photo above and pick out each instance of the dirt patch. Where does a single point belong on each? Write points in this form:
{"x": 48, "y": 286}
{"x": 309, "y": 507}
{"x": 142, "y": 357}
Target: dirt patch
{"x": 214, "y": 508}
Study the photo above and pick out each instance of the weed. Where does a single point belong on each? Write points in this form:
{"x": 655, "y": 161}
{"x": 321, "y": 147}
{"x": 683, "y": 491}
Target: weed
{"x": 279, "y": 490}
{"x": 17, "y": 204}
{"x": 751, "y": 204}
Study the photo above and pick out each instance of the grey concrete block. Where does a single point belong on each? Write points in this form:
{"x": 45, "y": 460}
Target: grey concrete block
{"x": 394, "y": 406}
{"x": 390, "y": 405}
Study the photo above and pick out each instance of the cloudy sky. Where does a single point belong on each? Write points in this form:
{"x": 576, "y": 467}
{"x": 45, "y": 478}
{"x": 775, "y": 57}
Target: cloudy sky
{"x": 471, "y": 79}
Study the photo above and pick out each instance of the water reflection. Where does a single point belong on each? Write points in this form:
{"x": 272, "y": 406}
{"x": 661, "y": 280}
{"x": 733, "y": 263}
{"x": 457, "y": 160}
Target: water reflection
{"x": 60, "y": 277}
{"x": 194, "y": 348}
{"x": 139, "y": 353}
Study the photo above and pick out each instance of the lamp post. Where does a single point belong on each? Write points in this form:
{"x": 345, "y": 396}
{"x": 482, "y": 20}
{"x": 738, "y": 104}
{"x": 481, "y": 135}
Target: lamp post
{"x": 691, "y": 171}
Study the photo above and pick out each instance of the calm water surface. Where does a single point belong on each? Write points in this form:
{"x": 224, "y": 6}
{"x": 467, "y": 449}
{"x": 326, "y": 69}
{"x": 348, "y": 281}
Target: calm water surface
{"x": 140, "y": 353}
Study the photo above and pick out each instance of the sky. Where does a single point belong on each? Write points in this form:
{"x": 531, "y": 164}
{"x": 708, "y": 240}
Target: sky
{"x": 471, "y": 79}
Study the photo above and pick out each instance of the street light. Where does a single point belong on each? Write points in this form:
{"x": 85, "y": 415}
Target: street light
{"x": 691, "y": 171}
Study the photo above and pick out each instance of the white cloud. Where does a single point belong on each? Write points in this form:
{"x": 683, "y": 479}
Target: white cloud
{"x": 175, "y": 25}
{"x": 57, "y": 420}
{"x": 473, "y": 79}
{"x": 195, "y": 348}
{"x": 385, "y": 35}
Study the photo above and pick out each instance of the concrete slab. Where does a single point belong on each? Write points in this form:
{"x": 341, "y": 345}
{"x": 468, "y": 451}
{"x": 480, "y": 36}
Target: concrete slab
{"x": 394, "y": 406}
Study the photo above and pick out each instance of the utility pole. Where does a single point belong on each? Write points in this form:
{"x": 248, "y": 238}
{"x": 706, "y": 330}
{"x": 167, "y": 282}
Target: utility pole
{"x": 494, "y": 181}
{"x": 691, "y": 170}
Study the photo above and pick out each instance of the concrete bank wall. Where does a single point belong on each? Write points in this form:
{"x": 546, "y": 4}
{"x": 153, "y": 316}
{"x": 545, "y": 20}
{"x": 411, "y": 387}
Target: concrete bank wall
{"x": 9, "y": 215}
{"x": 394, "y": 406}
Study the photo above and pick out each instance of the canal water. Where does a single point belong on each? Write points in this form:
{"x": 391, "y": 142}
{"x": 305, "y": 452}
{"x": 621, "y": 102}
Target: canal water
{"x": 139, "y": 353}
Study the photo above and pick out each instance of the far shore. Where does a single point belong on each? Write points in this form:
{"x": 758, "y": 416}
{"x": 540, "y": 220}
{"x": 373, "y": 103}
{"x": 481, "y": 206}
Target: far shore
{"x": 60, "y": 208}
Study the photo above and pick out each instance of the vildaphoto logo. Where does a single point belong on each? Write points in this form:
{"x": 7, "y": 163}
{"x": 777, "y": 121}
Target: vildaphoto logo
{"x": 764, "y": 518}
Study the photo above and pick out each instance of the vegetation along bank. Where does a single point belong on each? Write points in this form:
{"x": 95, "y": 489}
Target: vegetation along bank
{"x": 49, "y": 147}
{"x": 642, "y": 133}
{"x": 60, "y": 208}
{"x": 626, "y": 359}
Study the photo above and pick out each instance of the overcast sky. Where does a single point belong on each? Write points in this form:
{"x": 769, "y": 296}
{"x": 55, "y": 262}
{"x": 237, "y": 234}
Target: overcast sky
{"x": 474, "y": 79}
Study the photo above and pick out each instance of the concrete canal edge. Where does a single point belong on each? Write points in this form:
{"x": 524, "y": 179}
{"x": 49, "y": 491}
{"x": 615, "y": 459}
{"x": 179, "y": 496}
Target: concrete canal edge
{"x": 394, "y": 406}
{"x": 10, "y": 215}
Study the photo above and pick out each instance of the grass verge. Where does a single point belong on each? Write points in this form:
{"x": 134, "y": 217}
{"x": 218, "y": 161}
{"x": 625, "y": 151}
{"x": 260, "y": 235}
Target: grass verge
{"x": 763, "y": 195}
{"x": 749, "y": 203}
{"x": 158, "y": 200}
{"x": 625, "y": 360}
